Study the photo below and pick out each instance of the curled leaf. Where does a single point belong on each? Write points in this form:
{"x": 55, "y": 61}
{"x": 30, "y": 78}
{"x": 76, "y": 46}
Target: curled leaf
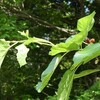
{"x": 22, "y": 54}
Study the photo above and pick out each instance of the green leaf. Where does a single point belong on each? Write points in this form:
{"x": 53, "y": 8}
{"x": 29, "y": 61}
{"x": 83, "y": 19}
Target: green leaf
{"x": 4, "y": 47}
{"x": 65, "y": 85}
{"x": 46, "y": 75}
{"x": 63, "y": 47}
{"x": 86, "y": 72}
{"x": 78, "y": 38}
{"x": 22, "y": 54}
{"x": 88, "y": 53}
{"x": 26, "y": 34}
{"x": 74, "y": 42}
{"x": 86, "y": 23}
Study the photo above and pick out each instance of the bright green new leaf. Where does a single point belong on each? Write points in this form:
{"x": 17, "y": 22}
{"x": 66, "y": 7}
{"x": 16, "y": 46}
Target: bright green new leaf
{"x": 74, "y": 42}
{"x": 46, "y": 75}
{"x": 86, "y": 23}
{"x": 22, "y": 54}
{"x": 26, "y": 34}
{"x": 88, "y": 53}
{"x": 65, "y": 85}
{"x": 4, "y": 47}
{"x": 63, "y": 47}
{"x": 86, "y": 72}
{"x": 78, "y": 38}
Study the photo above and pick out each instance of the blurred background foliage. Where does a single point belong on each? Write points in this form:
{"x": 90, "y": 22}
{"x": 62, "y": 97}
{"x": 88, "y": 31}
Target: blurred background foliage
{"x": 54, "y": 20}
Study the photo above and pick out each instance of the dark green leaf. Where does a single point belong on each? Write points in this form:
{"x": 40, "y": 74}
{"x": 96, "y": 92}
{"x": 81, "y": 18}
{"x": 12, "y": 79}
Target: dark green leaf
{"x": 65, "y": 85}
{"x": 46, "y": 75}
{"x": 88, "y": 53}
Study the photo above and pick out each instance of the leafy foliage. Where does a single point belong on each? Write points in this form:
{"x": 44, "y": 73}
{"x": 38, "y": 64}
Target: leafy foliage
{"x": 82, "y": 56}
{"x": 47, "y": 23}
{"x": 73, "y": 43}
{"x": 92, "y": 93}
{"x": 9, "y": 27}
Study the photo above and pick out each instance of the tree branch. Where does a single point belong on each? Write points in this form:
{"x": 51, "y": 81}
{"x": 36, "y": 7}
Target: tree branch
{"x": 18, "y": 12}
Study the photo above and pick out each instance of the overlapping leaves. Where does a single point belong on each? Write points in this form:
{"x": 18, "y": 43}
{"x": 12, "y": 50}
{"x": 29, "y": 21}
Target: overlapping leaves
{"x": 84, "y": 25}
{"x": 72, "y": 43}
